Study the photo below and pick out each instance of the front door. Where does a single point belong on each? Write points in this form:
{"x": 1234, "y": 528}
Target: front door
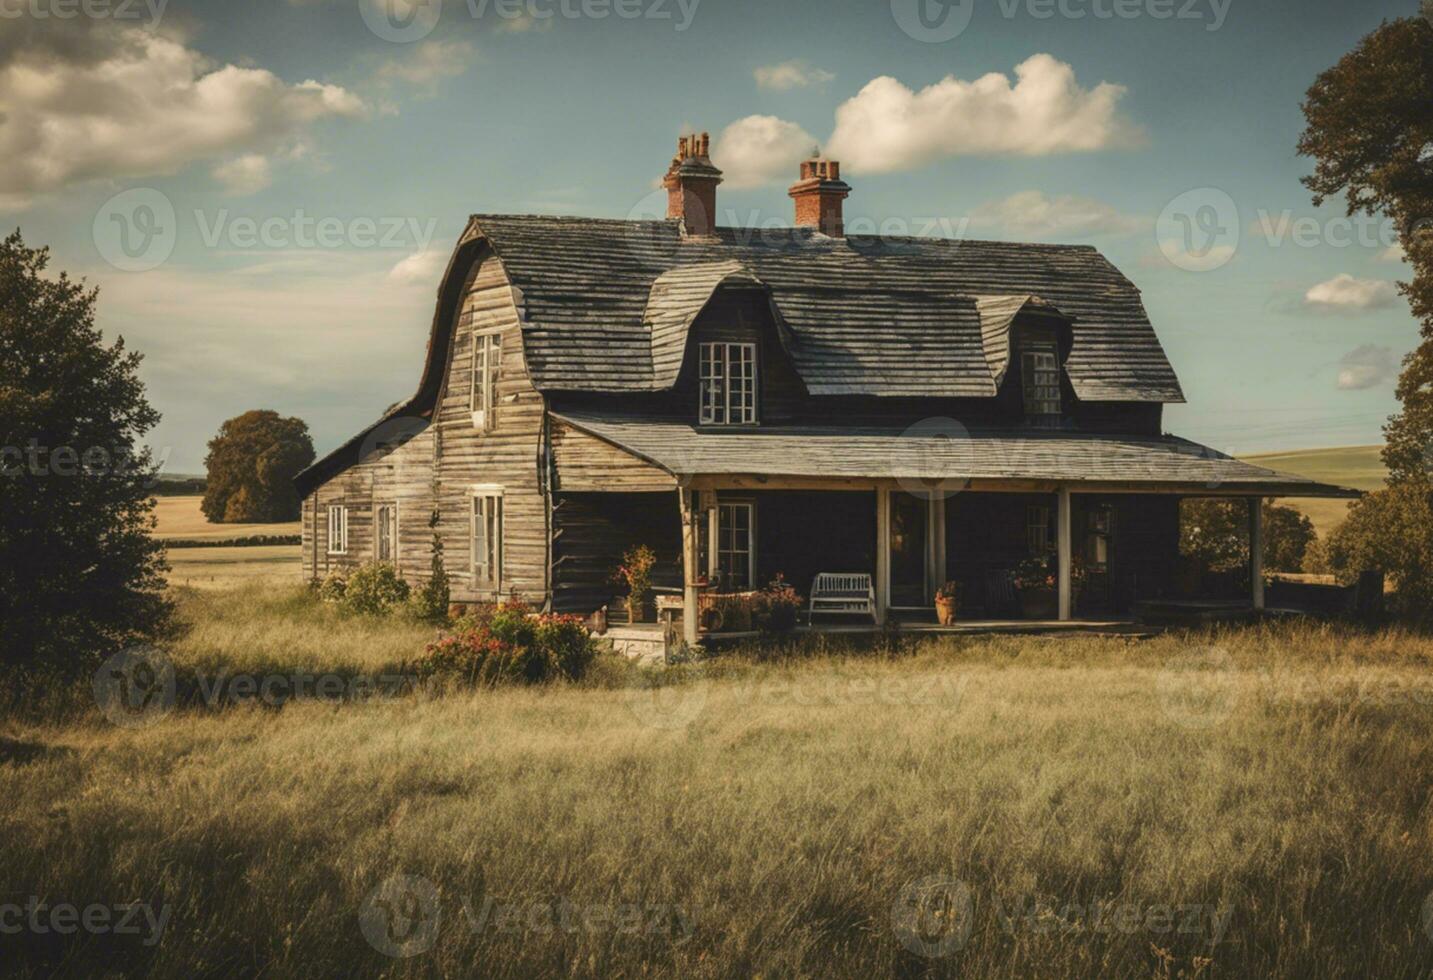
{"x": 910, "y": 549}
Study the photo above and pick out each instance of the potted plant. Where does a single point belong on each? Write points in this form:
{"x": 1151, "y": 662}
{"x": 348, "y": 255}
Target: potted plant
{"x": 1036, "y": 581}
{"x": 636, "y": 572}
{"x": 947, "y": 603}
{"x": 775, "y": 607}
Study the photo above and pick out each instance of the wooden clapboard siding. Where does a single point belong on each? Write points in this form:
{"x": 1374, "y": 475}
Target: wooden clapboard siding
{"x": 505, "y": 456}
{"x": 592, "y": 530}
{"x": 584, "y": 462}
{"x": 401, "y": 475}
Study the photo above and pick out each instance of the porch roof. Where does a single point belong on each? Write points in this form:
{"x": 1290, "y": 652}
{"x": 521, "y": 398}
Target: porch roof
{"x": 942, "y": 453}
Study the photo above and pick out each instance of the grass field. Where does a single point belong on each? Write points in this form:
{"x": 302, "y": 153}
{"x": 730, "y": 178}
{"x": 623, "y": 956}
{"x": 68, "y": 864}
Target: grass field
{"x": 180, "y": 517}
{"x": 1247, "y": 803}
{"x": 1358, "y": 467}
{"x": 220, "y": 566}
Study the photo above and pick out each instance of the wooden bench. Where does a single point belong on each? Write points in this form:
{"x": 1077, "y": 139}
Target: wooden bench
{"x": 843, "y": 592}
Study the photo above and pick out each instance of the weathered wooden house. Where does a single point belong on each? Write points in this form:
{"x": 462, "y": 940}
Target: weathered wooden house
{"x": 751, "y": 402}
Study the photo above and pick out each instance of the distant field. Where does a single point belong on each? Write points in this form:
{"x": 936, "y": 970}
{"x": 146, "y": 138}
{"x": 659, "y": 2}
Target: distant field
{"x": 180, "y": 517}
{"x": 221, "y": 567}
{"x": 224, "y": 568}
{"x": 1358, "y": 467}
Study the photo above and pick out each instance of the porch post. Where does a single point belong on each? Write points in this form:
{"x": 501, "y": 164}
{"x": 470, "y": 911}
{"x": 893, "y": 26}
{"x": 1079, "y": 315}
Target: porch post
{"x": 1256, "y": 550}
{"x": 1062, "y": 528}
{"x": 937, "y": 532}
{"x": 883, "y": 554}
{"x": 690, "y": 572}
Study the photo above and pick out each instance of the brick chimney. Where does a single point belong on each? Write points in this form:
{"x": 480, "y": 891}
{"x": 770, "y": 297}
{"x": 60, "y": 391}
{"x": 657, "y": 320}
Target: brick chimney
{"x": 691, "y": 184}
{"x": 818, "y": 195}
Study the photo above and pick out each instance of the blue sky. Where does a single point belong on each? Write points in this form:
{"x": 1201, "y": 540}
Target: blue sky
{"x": 298, "y": 113}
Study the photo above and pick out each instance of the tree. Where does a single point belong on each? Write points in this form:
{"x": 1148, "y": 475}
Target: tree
{"x": 251, "y": 464}
{"x": 1216, "y": 531}
{"x": 1370, "y": 131}
{"x": 80, "y": 575}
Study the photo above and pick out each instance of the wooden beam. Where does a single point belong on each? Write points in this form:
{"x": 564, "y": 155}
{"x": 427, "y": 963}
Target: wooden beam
{"x": 690, "y": 572}
{"x": 1256, "y": 550}
{"x": 1063, "y": 537}
{"x": 883, "y": 554}
{"x": 742, "y": 481}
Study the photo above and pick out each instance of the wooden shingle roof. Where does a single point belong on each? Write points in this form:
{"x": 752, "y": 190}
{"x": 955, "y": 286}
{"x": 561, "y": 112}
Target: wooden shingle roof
{"x": 926, "y": 453}
{"x": 871, "y": 315}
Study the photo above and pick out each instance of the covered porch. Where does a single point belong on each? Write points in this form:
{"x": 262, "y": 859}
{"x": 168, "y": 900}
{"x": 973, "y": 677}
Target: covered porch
{"x": 1107, "y": 553}
{"x": 1088, "y": 520}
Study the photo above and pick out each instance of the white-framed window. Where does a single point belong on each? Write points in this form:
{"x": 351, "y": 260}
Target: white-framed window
{"x": 1040, "y": 376}
{"x": 483, "y": 395}
{"x": 735, "y": 557}
{"x": 1037, "y": 529}
{"x": 487, "y": 538}
{"x": 728, "y": 384}
{"x": 385, "y": 533}
{"x": 337, "y": 529}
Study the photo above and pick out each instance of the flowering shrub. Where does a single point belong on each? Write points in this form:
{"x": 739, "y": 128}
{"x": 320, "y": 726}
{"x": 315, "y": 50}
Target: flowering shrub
{"x": 510, "y": 643}
{"x": 374, "y": 589}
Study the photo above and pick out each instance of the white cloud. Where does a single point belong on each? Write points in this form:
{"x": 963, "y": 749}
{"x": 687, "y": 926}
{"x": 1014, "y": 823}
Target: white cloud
{"x": 428, "y": 63}
{"x": 1393, "y": 253}
{"x": 110, "y": 102}
{"x": 1033, "y": 214}
{"x": 1345, "y": 294}
{"x": 420, "y": 267}
{"x": 247, "y": 174}
{"x": 791, "y": 74}
{"x": 759, "y": 149}
{"x": 888, "y": 127}
{"x": 1366, "y": 367}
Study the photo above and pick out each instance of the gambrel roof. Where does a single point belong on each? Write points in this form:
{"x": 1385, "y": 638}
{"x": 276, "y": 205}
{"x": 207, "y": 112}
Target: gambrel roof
{"x": 603, "y": 302}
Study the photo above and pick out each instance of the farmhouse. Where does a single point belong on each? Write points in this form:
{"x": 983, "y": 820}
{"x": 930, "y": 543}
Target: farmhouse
{"x": 901, "y": 412}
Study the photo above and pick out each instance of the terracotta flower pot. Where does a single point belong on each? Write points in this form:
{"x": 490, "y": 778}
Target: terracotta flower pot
{"x": 945, "y": 610}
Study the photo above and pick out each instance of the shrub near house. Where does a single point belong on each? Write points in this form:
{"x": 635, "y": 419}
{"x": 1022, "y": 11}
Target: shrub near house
{"x": 509, "y": 643}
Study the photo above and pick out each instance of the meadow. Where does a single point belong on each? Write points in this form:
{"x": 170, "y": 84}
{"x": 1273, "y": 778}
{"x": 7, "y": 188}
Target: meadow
{"x": 1358, "y": 467}
{"x": 221, "y": 566}
{"x": 1250, "y": 802}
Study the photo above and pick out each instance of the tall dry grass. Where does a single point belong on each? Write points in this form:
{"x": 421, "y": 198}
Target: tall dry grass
{"x": 1245, "y": 803}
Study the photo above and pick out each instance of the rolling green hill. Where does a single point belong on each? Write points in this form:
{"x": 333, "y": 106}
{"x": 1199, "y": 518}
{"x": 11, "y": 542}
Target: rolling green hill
{"x": 1348, "y": 466}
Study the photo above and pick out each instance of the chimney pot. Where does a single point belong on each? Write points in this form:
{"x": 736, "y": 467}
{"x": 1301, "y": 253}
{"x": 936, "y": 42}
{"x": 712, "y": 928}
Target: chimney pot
{"x": 818, "y": 195}
{"x": 691, "y": 184}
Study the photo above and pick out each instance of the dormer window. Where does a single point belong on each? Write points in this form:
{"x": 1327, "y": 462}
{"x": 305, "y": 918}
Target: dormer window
{"x": 728, "y": 384}
{"x": 1040, "y": 376}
